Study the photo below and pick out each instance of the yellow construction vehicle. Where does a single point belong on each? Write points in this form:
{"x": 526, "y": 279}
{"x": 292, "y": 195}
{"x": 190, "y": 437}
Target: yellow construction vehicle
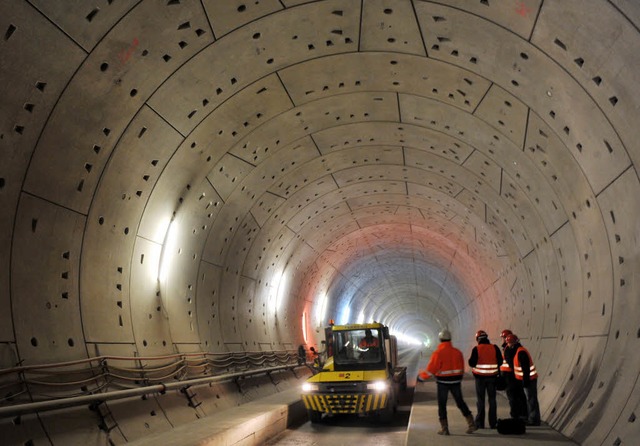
{"x": 359, "y": 376}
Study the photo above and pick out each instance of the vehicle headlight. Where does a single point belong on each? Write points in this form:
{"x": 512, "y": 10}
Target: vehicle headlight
{"x": 378, "y": 386}
{"x": 309, "y": 387}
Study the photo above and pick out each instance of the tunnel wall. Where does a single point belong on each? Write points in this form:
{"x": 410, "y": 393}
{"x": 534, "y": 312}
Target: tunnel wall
{"x": 244, "y": 125}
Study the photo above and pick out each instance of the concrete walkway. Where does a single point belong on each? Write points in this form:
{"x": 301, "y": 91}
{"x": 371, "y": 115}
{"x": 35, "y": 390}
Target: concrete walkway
{"x": 251, "y": 424}
{"x": 423, "y": 423}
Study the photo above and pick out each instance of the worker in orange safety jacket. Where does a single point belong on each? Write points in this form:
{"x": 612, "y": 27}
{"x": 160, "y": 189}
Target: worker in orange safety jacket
{"x": 368, "y": 341}
{"x": 525, "y": 371}
{"x": 514, "y": 391}
{"x": 484, "y": 361}
{"x": 447, "y": 365}
{"x": 505, "y": 367}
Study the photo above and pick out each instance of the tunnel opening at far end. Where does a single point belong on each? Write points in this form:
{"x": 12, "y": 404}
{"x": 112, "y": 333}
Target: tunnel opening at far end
{"x": 413, "y": 278}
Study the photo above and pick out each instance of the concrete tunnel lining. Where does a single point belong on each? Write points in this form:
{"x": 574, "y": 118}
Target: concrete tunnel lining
{"x": 195, "y": 176}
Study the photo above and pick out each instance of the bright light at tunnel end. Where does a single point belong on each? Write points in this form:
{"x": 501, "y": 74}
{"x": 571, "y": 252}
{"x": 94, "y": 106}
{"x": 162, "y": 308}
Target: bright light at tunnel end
{"x": 406, "y": 339}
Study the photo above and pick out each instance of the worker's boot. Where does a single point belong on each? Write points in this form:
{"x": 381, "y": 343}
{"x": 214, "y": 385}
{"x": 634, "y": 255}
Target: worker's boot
{"x": 471, "y": 424}
{"x": 444, "y": 427}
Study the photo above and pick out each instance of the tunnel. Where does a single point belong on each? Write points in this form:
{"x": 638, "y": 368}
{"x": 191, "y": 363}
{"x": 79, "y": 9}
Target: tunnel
{"x": 183, "y": 176}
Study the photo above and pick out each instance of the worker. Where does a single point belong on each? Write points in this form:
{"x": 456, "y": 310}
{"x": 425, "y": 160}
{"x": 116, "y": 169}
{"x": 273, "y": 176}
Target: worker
{"x": 368, "y": 341}
{"x": 447, "y": 365}
{"x": 505, "y": 369}
{"x": 484, "y": 362}
{"x": 525, "y": 372}
{"x": 503, "y": 335}
{"x": 515, "y": 393}
{"x": 302, "y": 355}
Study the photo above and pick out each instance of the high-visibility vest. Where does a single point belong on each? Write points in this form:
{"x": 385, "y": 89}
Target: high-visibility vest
{"x": 487, "y": 364}
{"x": 368, "y": 343}
{"x": 517, "y": 370}
{"x": 505, "y": 367}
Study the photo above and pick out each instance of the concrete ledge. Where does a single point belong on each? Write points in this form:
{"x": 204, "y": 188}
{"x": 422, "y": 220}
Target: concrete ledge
{"x": 250, "y": 424}
{"x": 424, "y": 423}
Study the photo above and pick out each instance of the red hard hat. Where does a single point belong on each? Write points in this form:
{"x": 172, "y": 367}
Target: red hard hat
{"x": 505, "y": 333}
{"x": 512, "y": 339}
{"x": 481, "y": 333}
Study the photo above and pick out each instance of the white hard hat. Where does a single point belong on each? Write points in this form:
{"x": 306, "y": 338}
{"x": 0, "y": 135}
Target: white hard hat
{"x": 444, "y": 335}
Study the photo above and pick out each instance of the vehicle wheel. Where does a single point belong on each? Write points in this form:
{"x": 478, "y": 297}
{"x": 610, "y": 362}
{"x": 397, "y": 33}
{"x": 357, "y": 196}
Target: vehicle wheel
{"x": 386, "y": 414}
{"x": 314, "y": 416}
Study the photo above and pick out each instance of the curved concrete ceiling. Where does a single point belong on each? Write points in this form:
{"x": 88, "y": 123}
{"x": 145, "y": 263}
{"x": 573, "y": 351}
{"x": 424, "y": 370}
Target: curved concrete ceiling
{"x": 196, "y": 175}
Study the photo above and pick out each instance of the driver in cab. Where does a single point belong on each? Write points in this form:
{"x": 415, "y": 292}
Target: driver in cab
{"x": 368, "y": 341}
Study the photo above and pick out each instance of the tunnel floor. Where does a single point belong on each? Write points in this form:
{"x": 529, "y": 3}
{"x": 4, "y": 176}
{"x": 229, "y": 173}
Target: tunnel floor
{"x": 416, "y": 424}
{"x": 350, "y": 430}
{"x": 423, "y": 424}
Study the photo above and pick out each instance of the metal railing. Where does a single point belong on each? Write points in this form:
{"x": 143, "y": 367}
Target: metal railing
{"x": 34, "y": 388}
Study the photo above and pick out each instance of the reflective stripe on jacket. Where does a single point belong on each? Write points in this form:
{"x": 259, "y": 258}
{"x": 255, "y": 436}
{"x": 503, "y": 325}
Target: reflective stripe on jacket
{"x": 505, "y": 366}
{"x": 486, "y": 365}
{"x": 446, "y": 363}
{"x": 533, "y": 374}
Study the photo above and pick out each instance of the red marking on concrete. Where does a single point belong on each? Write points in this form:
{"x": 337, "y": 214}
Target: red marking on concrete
{"x": 125, "y": 55}
{"x": 522, "y": 9}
